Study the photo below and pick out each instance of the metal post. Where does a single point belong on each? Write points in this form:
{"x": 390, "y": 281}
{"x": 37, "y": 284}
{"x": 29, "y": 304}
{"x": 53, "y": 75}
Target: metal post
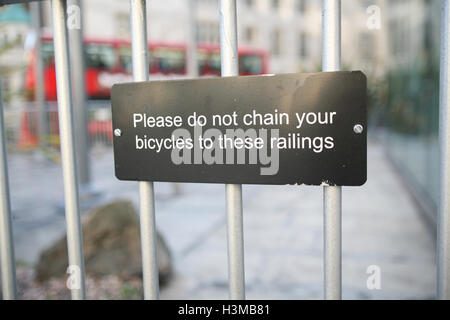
{"x": 146, "y": 192}
{"x": 8, "y": 263}
{"x": 39, "y": 75}
{"x": 230, "y": 67}
{"x": 443, "y": 232}
{"x": 191, "y": 52}
{"x": 66, "y": 128}
{"x": 79, "y": 93}
{"x": 332, "y": 196}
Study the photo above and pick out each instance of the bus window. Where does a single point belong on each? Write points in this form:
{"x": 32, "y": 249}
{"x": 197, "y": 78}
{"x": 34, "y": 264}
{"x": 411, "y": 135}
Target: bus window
{"x": 250, "y": 64}
{"x": 170, "y": 60}
{"x": 214, "y": 63}
{"x": 100, "y": 56}
{"x": 208, "y": 62}
{"x": 47, "y": 53}
{"x": 202, "y": 62}
{"x": 126, "y": 61}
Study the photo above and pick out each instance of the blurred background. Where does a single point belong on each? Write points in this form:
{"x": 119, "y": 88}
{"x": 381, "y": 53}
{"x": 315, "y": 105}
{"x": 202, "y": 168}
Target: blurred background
{"x": 388, "y": 224}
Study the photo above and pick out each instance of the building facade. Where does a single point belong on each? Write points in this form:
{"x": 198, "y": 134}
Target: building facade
{"x": 289, "y": 30}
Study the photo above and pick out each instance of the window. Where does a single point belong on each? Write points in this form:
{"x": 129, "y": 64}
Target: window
{"x": 303, "y": 50}
{"x": 207, "y": 32}
{"x": 215, "y": 62}
{"x": 209, "y": 62}
{"x": 47, "y": 53}
{"x": 170, "y": 60}
{"x": 301, "y": 6}
{"x": 367, "y": 3}
{"x": 275, "y": 4}
{"x": 250, "y": 64}
{"x": 123, "y": 25}
{"x": 249, "y": 35}
{"x": 126, "y": 61}
{"x": 100, "y": 56}
{"x": 276, "y": 42}
{"x": 366, "y": 46}
{"x": 125, "y": 58}
{"x": 399, "y": 37}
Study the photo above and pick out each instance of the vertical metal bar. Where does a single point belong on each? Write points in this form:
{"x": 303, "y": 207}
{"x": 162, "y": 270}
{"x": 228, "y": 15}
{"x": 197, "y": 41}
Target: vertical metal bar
{"x": 332, "y": 196}
{"x": 146, "y": 192}
{"x": 191, "y": 52}
{"x": 443, "y": 232}
{"x": 236, "y": 272}
{"x": 65, "y": 112}
{"x": 230, "y": 67}
{"x": 39, "y": 75}
{"x": 8, "y": 263}
{"x": 79, "y": 93}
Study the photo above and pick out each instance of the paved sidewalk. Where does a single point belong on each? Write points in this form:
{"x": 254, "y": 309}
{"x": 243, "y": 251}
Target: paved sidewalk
{"x": 283, "y": 231}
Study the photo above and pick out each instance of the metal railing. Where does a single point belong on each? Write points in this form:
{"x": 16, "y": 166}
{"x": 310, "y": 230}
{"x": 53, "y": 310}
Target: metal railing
{"x": 230, "y": 67}
{"x": 146, "y": 191}
{"x": 443, "y": 222}
{"x": 229, "y": 61}
{"x": 332, "y": 196}
{"x": 8, "y": 263}
{"x": 67, "y": 136}
{"x": 29, "y": 129}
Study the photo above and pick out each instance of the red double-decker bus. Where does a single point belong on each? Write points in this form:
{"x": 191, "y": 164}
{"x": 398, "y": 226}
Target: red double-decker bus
{"x": 109, "y": 62}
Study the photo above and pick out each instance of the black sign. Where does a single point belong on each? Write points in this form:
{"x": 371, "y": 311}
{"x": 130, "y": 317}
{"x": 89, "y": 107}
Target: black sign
{"x": 272, "y": 129}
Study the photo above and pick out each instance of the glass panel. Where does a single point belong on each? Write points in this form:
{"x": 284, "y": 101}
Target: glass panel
{"x": 408, "y": 95}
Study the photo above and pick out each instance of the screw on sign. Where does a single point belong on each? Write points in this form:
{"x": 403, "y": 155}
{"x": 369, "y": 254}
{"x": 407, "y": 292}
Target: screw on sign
{"x": 117, "y": 132}
{"x": 358, "y": 128}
